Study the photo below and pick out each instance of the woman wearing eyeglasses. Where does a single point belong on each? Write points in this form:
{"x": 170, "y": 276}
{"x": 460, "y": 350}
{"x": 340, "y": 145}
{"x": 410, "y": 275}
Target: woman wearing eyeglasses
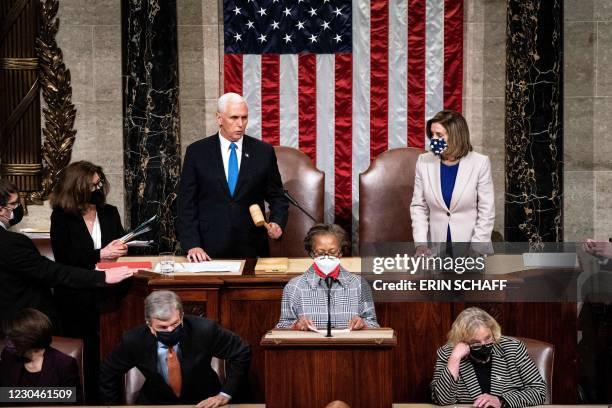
{"x": 304, "y": 304}
{"x": 480, "y": 367}
{"x": 84, "y": 231}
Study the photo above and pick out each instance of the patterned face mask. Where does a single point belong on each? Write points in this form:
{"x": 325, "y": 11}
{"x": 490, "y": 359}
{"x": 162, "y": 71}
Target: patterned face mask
{"x": 438, "y": 145}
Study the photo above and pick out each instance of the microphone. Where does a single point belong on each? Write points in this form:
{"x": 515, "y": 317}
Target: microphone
{"x": 328, "y": 281}
{"x": 295, "y": 203}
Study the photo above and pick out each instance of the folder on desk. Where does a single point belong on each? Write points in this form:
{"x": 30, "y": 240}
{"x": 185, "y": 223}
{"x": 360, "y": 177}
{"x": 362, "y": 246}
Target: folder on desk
{"x": 102, "y": 266}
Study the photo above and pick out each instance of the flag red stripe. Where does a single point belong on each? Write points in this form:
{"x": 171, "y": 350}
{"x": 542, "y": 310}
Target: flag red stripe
{"x": 453, "y": 54}
{"x": 270, "y": 98}
{"x": 343, "y": 146}
{"x": 379, "y": 77}
{"x": 232, "y": 73}
{"x": 307, "y": 104}
{"x": 416, "y": 73}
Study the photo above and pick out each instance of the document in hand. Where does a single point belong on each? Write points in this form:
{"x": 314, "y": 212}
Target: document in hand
{"x": 139, "y": 230}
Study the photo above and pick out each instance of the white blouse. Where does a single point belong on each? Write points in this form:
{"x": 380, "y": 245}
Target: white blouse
{"x": 96, "y": 233}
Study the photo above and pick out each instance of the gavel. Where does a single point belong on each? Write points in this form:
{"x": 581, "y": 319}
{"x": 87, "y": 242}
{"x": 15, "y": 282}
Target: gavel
{"x": 258, "y": 217}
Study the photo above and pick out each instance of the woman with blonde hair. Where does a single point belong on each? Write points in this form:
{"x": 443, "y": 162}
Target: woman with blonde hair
{"x": 479, "y": 366}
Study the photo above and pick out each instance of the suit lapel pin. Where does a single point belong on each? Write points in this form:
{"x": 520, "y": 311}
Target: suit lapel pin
{"x": 246, "y": 155}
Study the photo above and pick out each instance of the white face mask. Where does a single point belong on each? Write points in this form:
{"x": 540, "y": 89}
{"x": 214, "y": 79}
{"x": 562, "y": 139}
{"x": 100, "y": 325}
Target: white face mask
{"x": 327, "y": 264}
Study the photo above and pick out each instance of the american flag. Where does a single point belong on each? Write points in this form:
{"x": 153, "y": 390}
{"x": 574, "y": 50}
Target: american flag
{"x": 343, "y": 81}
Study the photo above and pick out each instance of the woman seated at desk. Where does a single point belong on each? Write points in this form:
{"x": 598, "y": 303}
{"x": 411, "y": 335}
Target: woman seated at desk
{"x": 28, "y": 360}
{"x": 304, "y": 304}
{"x": 479, "y": 366}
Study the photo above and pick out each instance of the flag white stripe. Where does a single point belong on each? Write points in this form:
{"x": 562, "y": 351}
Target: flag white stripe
{"x": 361, "y": 103}
{"x": 326, "y": 128}
{"x": 289, "y": 135}
{"x": 398, "y": 67}
{"x": 434, "y": 57}
{"x": 251, "y": 80}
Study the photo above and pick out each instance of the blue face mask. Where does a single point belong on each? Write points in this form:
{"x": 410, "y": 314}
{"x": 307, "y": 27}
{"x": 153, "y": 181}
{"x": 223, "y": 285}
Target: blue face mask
{"x": 438, "y": 146}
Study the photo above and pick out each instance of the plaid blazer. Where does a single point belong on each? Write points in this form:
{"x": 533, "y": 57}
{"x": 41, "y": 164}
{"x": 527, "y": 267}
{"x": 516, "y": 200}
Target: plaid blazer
{"x": 306, "y": 295}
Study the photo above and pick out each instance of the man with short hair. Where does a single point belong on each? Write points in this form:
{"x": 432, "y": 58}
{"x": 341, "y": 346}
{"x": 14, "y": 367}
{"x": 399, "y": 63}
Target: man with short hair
{"x": 223, "y": 175}
{"x": 174, "y": 351}
{"x": 26, "y": 277}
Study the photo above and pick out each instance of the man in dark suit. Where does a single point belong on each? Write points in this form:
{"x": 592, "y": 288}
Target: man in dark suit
{"x": 174, "y": 353}
{"x": 223, "y": 175}
{"x": 26, "y": 277}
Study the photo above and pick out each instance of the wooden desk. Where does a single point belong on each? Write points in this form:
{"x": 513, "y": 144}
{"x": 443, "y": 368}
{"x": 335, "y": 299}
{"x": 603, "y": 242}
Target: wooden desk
{"x": 305, "y": 369}
{"x": 249, "y": 305}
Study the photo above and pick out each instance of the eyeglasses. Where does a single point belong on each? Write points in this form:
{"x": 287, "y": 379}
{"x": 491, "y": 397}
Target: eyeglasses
{"x": 99, "y": 185}
{"x": 476, "y": 347}
{"x": 328, "y": 254}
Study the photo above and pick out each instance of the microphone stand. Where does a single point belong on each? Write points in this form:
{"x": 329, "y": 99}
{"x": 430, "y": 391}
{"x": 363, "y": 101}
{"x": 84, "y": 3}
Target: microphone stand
{"x": 295, "y": 203}
{"x": 329, "y": 280}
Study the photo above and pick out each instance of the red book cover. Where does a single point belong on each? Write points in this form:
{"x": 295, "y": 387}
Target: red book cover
{"x": 102, "y": 266}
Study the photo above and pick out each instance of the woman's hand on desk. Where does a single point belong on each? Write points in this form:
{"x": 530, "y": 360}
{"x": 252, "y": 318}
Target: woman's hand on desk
{"x": 422, "y": 250}
{"x": 304, "y": 324}
{"x": 114, "y": 250}
{"x": 116, "y": 275}
{"x": 487, "y": 400}
{"x": 356, "y": 323}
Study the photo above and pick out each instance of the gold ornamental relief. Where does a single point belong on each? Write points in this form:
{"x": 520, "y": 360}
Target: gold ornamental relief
{"x": 59, "y": 113}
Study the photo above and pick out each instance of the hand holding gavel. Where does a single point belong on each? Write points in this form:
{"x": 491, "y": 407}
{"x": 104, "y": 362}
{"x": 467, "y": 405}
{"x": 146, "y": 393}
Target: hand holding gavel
{"x": 274, "y": 230}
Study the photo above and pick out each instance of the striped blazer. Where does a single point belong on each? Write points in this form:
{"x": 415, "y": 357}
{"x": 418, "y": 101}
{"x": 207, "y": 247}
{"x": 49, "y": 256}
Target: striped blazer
{"x": 514, "y": 377}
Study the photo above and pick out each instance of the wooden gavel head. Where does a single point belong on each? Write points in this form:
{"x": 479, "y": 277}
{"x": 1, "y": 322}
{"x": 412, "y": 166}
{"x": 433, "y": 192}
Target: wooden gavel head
{"x": 257, "y": 216}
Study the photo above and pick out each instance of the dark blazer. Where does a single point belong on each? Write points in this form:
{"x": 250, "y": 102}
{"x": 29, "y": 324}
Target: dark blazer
{"x": 514, "y": 377}
{"x": 58, "y": 370}
{"x": 208, "y": 217}
{"x": 71, "y": 241}
{"x": 26, "y": 277}
{"x": 204, "y": 339}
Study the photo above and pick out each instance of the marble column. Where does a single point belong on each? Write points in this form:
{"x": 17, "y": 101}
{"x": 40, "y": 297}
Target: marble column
{"x": 534, "y": 121}
{"x": 151, "y": 115}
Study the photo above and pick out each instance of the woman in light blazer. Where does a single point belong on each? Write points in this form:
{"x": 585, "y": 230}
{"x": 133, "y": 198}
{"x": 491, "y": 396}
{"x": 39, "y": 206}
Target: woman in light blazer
{"x": 453, "y": 189}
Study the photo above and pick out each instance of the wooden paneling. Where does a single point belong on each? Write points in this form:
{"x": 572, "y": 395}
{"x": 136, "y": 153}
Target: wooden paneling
{"x": 250, "y": 305}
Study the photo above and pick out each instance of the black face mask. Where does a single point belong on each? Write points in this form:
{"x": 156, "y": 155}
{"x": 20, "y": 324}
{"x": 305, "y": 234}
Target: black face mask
{"x": 97, "y": 197}
{"x": 482, "y": 353}
{"x": 17, "y": 216}
{"x": 171, "y": 338}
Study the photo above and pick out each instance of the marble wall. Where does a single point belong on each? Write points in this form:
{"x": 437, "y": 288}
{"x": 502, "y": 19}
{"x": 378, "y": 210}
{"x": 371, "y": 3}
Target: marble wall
{"x": 588, "y": 106}
{"x": 534, "y": 122}
{"x": 151, "y": 139}
{"x": 484, "y": 61}
{"x": 200, "y": 71}
{"x": 90, "y": 39}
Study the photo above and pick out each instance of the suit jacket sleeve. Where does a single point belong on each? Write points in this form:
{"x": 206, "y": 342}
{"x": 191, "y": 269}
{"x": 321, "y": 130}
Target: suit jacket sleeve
{"x": 26, "y": 261}
{"x": 279, "y": 205}
{"x": 486, "y": 204}
{"x": 67, "y": 245}
{"x": 117, "y": 363}
{"x": 366, "y": 305}
{"x": 533, "y": 391}
{"x": 187, "y": 219}
{"x": 443, "y": 385}
{"x": 118, "y": 230}
{"x": 237, "y": 355}
{"x": 289, "y": 306}
{"x": 419, "y": 210}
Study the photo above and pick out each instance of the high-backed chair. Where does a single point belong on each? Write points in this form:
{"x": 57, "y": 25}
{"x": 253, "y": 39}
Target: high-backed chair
{"x": 385, "y": 193}
{"x": 71, "y": 347}
{"x": 306, "y": 184}
{"x": 134, "y": 380}
{"x": 543, "y": 355}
